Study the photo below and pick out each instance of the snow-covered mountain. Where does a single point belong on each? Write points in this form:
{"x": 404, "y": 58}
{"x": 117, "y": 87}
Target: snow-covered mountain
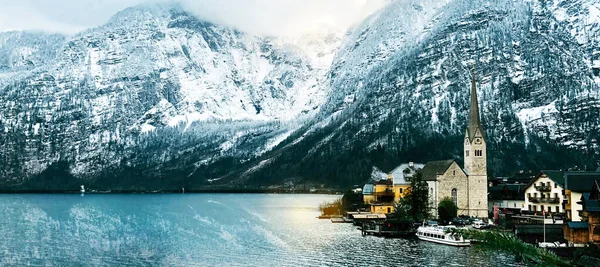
{"x": 157, "y": 98}
{"x": 89, "y": 99}
{"x": 401, "y": 83}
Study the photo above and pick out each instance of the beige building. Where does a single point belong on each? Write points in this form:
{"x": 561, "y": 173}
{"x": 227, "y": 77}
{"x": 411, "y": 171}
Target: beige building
{"x": 467, "y": 187}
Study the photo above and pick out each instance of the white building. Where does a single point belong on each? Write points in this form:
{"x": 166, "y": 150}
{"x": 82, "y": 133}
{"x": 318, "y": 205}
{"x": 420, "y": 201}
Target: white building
{"x": 559, "y": 192}
{"x": 507, "y": 197}
{"x": 404, "y": 172}
{"x": 545, "y": 192}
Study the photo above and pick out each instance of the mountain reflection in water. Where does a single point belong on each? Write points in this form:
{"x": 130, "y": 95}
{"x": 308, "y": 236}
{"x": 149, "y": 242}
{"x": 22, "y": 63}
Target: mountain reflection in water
{"x": 202, "y": 230}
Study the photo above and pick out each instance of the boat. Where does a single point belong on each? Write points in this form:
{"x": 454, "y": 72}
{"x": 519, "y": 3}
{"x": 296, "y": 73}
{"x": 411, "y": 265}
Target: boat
{"x": 440, "y": 234}
{"x": 82, "y": 190}
{"x": 388, "y": 228}
{"x": 337, "y": 220}
{"x": 552, "y": 245}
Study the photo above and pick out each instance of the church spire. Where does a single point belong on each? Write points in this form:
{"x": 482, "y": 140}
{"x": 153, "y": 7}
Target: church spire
{"x": 474, "y": 122}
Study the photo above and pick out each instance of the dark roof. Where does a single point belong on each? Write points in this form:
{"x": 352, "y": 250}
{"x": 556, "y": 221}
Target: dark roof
{"x": 433, "y": 168}
{"x": 516, "y": 191}
{"x": 578, "y": 225}
{"x": 591, "y": 205}
{"x": 577, "y": 181}
{"x": 581, "y": 181}
{"x": 384, "y": 182}
{"x": 507, "y": 192}
{"x": 595, "y": 193}
{"x": 521, "y": 177}
{"x": 496, "y": 192}
{"x": 555, "y": 176}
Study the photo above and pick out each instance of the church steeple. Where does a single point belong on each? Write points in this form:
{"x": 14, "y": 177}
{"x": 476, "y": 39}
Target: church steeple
{"x": 474, "y": 121}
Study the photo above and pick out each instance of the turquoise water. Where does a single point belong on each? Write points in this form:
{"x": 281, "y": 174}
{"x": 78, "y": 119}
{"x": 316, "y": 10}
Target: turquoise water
{"x": 202, "y": 230}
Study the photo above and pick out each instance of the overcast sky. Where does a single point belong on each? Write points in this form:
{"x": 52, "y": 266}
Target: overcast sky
{"x": 271, "y": 17}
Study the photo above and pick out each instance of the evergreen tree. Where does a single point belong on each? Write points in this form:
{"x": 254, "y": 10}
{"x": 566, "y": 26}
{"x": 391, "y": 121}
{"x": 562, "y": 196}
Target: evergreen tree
{"x": 415, "y": 204}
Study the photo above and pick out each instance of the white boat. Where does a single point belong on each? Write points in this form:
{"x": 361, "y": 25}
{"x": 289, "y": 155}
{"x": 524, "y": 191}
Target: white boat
{"x": 439, "y": 234}
{"x": 552, "y": 245}
{"x": 82, "y": 190}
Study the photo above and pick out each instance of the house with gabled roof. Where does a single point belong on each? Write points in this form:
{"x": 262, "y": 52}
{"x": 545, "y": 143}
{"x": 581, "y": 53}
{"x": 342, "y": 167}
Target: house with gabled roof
{"x": 507, "y": 197}
{"x": 401, "y": 177}
{"x": 559, "y": 192}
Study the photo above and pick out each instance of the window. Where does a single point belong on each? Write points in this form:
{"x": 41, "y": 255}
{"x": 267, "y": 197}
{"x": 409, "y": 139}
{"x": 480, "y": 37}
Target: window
{"x": 454, "y": 172}
{"x": 514, "y": 205}
{"x": 455, "y": 196}
{"x": 529, "y": 195}
{"x": 557, "y": 209}
{"x": 529, "y": 208}
{"x": 542, "y": 209}
{"x": 534, "y": 208}
{"x": 467, "y": 153}
{"x": 478, "y": 153}
{"x": 555, "y": 195}
{"x": 389, "y": 210}
{"x": 400, "y": 190}
{"x": 554, "y": 185}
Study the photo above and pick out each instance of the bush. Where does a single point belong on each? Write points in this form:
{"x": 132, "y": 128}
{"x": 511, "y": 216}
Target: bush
{"x": 331, "y": 208}
{"x": 447, "y": 210}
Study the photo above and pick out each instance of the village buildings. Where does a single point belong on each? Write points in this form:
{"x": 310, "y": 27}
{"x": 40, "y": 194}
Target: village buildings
{"x": 467, "y": 187}
{"x": 559, "y": 192}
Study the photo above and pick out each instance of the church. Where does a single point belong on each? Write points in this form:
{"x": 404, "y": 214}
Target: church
{"x": 467, "y": 187}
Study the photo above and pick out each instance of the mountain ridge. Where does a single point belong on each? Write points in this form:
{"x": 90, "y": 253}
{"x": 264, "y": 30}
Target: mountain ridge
{"x": 159, "y": 99}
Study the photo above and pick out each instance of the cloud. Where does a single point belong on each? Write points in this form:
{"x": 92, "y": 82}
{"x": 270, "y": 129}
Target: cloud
{"x": 263, "y": 17}
{"x": 284, "y": 17}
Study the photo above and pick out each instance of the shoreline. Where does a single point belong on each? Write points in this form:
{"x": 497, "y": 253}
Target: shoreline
{"x": 202, "y": 191}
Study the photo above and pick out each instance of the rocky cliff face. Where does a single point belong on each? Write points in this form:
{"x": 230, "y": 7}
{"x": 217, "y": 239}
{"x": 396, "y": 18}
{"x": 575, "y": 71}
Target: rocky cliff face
{"x": 157, "y": 98}
{"x": 152, "y": 74}
{"x": 408, "y": 100}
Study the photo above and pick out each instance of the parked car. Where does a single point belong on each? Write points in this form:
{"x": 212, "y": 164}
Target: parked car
{"x": 480, "y": 225}
{"x": 459, "y": 222}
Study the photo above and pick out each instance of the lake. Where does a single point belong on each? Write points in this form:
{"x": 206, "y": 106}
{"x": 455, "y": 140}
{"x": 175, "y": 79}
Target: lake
{"x": 203, "y": 230}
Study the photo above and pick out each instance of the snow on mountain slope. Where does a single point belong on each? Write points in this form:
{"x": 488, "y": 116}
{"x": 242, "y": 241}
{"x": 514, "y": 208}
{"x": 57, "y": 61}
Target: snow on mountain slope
{"x": 160, "y": 98}
{"x": 150, "y": 67}
{"x": 401, "y": 91}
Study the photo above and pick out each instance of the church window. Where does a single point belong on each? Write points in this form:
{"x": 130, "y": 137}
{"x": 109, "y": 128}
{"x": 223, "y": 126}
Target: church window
{"x": 454, "y": 196}
{"x": 454, "y": 172}
{"x": 478, "y": 153}
{"x": 467, "y": 153}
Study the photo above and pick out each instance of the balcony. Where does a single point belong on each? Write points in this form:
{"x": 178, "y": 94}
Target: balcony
{"x": 543, "y": 188}
{"x": 551, "y": 200}
{"x": 387, "y": 192}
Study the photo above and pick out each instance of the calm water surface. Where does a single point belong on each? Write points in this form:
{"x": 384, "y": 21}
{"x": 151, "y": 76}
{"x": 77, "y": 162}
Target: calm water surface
{"x": 202, "y": 230}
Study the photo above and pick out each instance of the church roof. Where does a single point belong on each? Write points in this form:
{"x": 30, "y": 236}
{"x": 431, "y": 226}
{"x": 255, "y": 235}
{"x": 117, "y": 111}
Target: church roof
{"x": 474, "y": 119}
{"x": 434, "y": 168}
